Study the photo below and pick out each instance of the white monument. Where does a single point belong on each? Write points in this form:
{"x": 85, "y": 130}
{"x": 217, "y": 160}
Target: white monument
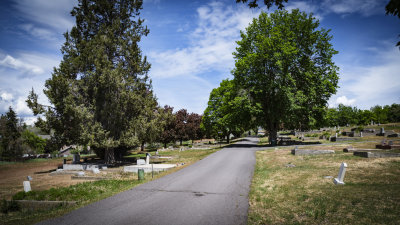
{"x": 342, "y": 171}
{"x": 27, "y": 186}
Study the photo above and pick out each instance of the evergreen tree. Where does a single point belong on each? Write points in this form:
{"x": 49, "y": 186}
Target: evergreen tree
{"x": 100, "y": 91}
{"x": 10, "y": 133}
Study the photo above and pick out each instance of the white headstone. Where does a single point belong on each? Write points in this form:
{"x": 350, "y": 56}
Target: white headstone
{"x": 81, "y": 174}
{"x": 361, "y": 134}
{"x": 342, "y": 171}
{"x": 335, "y": 135}
{"x": 27, "y": 186}
{"x": 147, "y": 159}
{"x": 96, "y": 170}
{"x": 141, "y": 162}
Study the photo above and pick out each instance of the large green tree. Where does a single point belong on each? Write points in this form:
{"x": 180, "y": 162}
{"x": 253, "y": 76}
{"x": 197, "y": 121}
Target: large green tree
{"x": 284, "y": 60}
{"x": 100, "y": 93}
{"x": 229, "y": 111}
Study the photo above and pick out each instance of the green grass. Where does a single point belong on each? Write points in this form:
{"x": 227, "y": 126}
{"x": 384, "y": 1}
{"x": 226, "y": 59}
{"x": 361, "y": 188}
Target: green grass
{"x": 301, "y": 194}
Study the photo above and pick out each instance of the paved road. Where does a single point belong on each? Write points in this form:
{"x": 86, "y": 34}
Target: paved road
{"x": 212, "y": 191}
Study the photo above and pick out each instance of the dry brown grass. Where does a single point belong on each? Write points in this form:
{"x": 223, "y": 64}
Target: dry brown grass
{"x": 302, "y": 195}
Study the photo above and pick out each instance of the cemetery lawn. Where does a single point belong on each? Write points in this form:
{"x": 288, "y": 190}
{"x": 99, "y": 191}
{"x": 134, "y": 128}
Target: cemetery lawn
{"x": 281, "y": 194}
{"x": 63, "y": 188}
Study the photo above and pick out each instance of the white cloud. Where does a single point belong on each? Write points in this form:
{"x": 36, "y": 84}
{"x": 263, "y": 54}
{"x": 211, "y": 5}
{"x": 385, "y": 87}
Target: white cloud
{"x": 17, "y": 64}
{"x": 343, "y": 100}
{"x": 364, "y": 7}
{"x": 54, "y": 14}
{"x": 305, "y": 6}
{"x": 6, "y": 96}
{"x": 374, "y": 84}
{"x": 211, "y": 47}
{"x": 41, "y": 33}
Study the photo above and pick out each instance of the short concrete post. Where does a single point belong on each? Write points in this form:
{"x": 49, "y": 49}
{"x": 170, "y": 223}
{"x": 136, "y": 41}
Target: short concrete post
{"x": 342, "y": 171}
{"x": 27, "y": 186}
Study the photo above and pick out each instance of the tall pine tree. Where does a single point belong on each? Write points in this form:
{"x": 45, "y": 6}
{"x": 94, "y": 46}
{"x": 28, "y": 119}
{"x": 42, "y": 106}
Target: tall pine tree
{"x": 101, "y": 87}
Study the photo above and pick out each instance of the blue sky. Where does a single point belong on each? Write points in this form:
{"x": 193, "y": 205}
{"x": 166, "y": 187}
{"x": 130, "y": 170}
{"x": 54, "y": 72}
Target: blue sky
{"x": 190, "y": 48}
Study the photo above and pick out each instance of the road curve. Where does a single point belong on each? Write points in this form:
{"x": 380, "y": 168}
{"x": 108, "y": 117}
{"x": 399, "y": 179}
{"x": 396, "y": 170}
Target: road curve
{"x": 211, "y": 191}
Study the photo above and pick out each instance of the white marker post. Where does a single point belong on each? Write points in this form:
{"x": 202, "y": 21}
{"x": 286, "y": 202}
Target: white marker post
{"x": 342, "y": 171}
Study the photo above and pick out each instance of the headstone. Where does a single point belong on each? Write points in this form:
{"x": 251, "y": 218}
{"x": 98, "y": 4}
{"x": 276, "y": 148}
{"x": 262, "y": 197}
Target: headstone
{"x": 361, "y": 134}
{"x": 342, "y": 171}
{"x": 382, "y": 130}
{"x": 76, "y": 158}
{"x": 335, "y": 135}
{"x": 147, "y": 158}
{"x": 96, "y": 170}
{"x": 81, "y": 174}
{"x": 27, "y": 186}
{"x": 141, "y": 162}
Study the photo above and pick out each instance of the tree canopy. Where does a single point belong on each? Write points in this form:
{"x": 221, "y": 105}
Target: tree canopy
{"x": 268, "y": 3}
{"x": 100, "y": 93}
{"x": 229, "y": 111}
{"x": 284, "y": 61}
{"x": 393, "y": 8}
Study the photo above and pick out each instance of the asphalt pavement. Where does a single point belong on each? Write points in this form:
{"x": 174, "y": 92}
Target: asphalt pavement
{"x": 214, "y": 190}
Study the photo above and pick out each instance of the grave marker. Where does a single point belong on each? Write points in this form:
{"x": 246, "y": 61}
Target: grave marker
{"x": 342, "y": 171}
{"x": 27, "y": 186}
{"x": 141, "y": 162}
{"x": 96, "y": 170}
{"x": 148, "y": 158}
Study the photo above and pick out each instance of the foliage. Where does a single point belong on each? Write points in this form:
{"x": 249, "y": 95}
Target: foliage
{"x": 168, "y": 134}
{"x": 393, "y": 8}
{"x": 268, "y": 3}
{"x": 229, "y": 111}
{"x": 285, "y": 63}
{"x": 36, "y": 143}
{"x": 10, "y": 132}
{"x": 343, "y": 115}
{"x": 187, "y": 126}
{"x": 100, "y": 94}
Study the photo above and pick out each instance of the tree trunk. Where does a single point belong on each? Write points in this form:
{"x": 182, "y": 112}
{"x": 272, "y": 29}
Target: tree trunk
{"x": 142, "y": 147}
{"x": 273, "y": 134}
{"x": 109, "y": 156}
{"x": 165, "y": 145}
{"x": 227, "y": 138}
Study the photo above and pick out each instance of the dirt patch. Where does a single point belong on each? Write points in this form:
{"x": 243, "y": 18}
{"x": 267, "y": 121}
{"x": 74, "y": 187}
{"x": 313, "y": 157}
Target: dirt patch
{"x": 12, "y": 176}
